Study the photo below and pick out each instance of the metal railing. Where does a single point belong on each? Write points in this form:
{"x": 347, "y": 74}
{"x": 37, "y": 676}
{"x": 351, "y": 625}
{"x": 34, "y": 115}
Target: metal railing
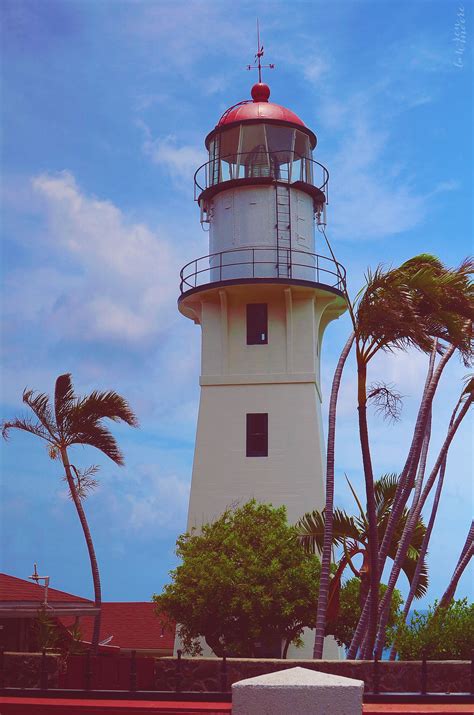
{"x": 376, "y": 685}
{"x": 283, "y": 165}
{"x": 262, "y": 263}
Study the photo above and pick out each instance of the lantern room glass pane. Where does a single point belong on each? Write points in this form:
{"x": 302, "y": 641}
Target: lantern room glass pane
{"x": 229, "y": 144}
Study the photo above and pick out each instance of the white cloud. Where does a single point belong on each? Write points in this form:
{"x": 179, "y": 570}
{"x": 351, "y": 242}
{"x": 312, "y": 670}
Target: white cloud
{"x": 123, "y": 280}
{"x": 181, "y": 161}
{"x": 368, "y": 202}
{"x": 145, "y": 501}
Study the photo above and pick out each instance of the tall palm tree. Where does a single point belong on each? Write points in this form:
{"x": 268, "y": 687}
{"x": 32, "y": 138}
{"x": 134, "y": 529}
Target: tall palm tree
{"x": 352, "y": 534}
{"x": 76, "y": 420}
{"x": 326, "y": 549}
{"x": 401, "y": 308}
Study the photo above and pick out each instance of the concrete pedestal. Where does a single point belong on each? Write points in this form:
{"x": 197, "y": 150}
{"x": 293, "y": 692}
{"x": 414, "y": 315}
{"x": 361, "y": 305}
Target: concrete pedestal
{"x": 297, "y": 691}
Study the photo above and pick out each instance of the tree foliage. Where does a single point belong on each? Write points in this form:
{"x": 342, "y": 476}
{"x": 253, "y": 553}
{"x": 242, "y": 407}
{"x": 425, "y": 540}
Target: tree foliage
{"x": 440, "y": 634}
{"x": 244, "y": 583}
{"x": 343, "y": 627}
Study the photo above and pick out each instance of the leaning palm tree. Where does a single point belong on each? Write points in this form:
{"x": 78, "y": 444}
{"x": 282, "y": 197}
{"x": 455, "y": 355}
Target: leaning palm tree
{"x": 76, "y": 420}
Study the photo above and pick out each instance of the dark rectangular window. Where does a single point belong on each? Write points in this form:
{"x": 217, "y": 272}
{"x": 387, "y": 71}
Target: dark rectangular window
{"x": 257, "y": 324}
{"x": 257, "y": 434}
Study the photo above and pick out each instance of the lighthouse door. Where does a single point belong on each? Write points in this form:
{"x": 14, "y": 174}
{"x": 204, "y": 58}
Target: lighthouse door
{"x": 283, "y": 229}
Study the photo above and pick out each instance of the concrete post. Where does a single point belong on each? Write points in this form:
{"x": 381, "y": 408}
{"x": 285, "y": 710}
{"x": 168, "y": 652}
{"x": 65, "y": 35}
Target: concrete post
{"x": 297, "y": 691}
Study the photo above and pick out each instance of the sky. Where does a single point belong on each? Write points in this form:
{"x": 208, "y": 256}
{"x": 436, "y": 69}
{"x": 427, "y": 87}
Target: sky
{"x": 105, "y": 107}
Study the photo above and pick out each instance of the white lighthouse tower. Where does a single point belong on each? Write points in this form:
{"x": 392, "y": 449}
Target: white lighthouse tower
{"x": 263, "y": 298}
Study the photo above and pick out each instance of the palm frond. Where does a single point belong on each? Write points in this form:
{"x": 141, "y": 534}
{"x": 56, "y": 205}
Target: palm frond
{"x": 387, "y": 400}
{"x": 412, "y": 304}
{"x": 409, "y": 568}
{"x": 84, "y": 480}
{"x": 384, "y": 491}
{"x": 98, "y": 436}
{"x": 363, "y": 519}
{"x": 105, "y": 405}
{"x": 311, "y": 529}
{"x": 39, "y": 403}
{"x": 64, "y": 400}
{"x": 26, "y": 425}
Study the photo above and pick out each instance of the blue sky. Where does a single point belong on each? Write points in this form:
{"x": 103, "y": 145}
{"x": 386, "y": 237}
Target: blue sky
{"x": 105, "y": 109}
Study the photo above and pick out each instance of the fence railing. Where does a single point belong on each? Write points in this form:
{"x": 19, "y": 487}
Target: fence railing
{"x": 262, "y": 262}
{"x": 375, "y": 691}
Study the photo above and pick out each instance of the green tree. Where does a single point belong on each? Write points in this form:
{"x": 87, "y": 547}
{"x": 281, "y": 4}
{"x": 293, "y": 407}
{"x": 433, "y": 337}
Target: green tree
{"x": 440, "y": 634}
{"x": 245, "y": 584}
{"x": 343, "y": 627}
{"x": 70, "y": 420}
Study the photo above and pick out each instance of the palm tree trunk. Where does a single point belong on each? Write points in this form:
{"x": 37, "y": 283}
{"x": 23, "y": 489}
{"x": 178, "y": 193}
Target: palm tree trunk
{"x": 429, "y": 529}
{"x": 329, "y": 507}
{"x": 90, "y": 547}
{"x": 409, "y": 470}
{"x": 373, "y": 545}
{"x": 423, "y": 550}
{"x": 403, "y": 493}
{"x": 409, "y": 527}
{"x": 466, "y": 555}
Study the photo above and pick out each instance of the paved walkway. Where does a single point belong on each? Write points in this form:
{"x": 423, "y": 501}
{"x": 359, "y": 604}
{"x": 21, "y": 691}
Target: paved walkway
{"x": 69, "y": 706}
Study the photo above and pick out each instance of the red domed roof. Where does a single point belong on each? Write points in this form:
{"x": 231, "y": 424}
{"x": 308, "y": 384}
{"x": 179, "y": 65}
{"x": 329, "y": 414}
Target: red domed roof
{"x": 259, "y": 108}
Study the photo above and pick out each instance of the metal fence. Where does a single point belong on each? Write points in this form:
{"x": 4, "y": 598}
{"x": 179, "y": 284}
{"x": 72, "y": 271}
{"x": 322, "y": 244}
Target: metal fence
{"x": 374, "y": 691}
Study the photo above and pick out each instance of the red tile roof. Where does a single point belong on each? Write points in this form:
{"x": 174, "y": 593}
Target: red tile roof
{"x": 133, "y": 626}
{"x": 17, "y": 589}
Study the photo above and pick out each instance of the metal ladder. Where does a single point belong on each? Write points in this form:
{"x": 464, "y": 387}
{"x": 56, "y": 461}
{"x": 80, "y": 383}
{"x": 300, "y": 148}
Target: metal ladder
{"x": 215, "y": 165}
{"x": 283, "y": 229}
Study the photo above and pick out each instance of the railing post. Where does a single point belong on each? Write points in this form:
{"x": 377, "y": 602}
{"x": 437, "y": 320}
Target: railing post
{"x": 2, "y": 667}
{"x": 220, "y": 266}
{"x": 133, "y": 671}
{"x": 472, "y": 673}
{"x": 253, "y": 262}
{"x": 43, "y": 671}
{"x": 88, "y": 671}
{"x": 376, "y": 676}
{"x": 224, "y": 673}
{"x": 179, "y": 674}
{"x": 424, "y": 674}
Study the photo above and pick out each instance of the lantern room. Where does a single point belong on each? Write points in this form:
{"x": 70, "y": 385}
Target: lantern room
{"x": 260, "y": 194}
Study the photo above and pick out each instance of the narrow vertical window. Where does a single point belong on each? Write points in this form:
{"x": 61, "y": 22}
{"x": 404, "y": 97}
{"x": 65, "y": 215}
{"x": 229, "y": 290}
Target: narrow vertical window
{"x": 257, "y": 434}
{"x": 257, "y": 324}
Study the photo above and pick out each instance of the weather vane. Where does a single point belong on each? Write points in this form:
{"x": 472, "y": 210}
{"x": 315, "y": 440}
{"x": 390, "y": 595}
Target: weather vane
{"x": 258, "y": 58}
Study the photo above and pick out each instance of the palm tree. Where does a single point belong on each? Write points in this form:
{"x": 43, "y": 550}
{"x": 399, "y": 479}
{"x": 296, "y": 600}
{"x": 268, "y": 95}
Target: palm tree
{"x": 352, "y": 534}
{"x": 76, "y": 420}
{"x": 401, "y": 308}
{"x": 326, "y": 550}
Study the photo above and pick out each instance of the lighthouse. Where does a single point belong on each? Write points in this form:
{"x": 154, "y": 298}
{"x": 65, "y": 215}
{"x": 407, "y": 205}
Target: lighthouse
{"x": 263, "y": 296}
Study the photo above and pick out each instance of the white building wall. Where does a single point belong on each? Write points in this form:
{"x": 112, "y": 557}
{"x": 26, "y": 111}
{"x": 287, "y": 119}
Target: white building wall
{"x": 280, "y": 378}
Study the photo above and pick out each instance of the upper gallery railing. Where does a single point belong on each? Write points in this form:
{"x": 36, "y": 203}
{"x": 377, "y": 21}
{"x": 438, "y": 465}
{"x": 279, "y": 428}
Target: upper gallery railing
{"x": 284, "y": 166}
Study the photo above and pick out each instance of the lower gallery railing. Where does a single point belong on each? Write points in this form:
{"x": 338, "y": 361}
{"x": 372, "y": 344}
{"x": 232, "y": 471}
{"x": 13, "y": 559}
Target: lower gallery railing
{"x": 262, "y": 262}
